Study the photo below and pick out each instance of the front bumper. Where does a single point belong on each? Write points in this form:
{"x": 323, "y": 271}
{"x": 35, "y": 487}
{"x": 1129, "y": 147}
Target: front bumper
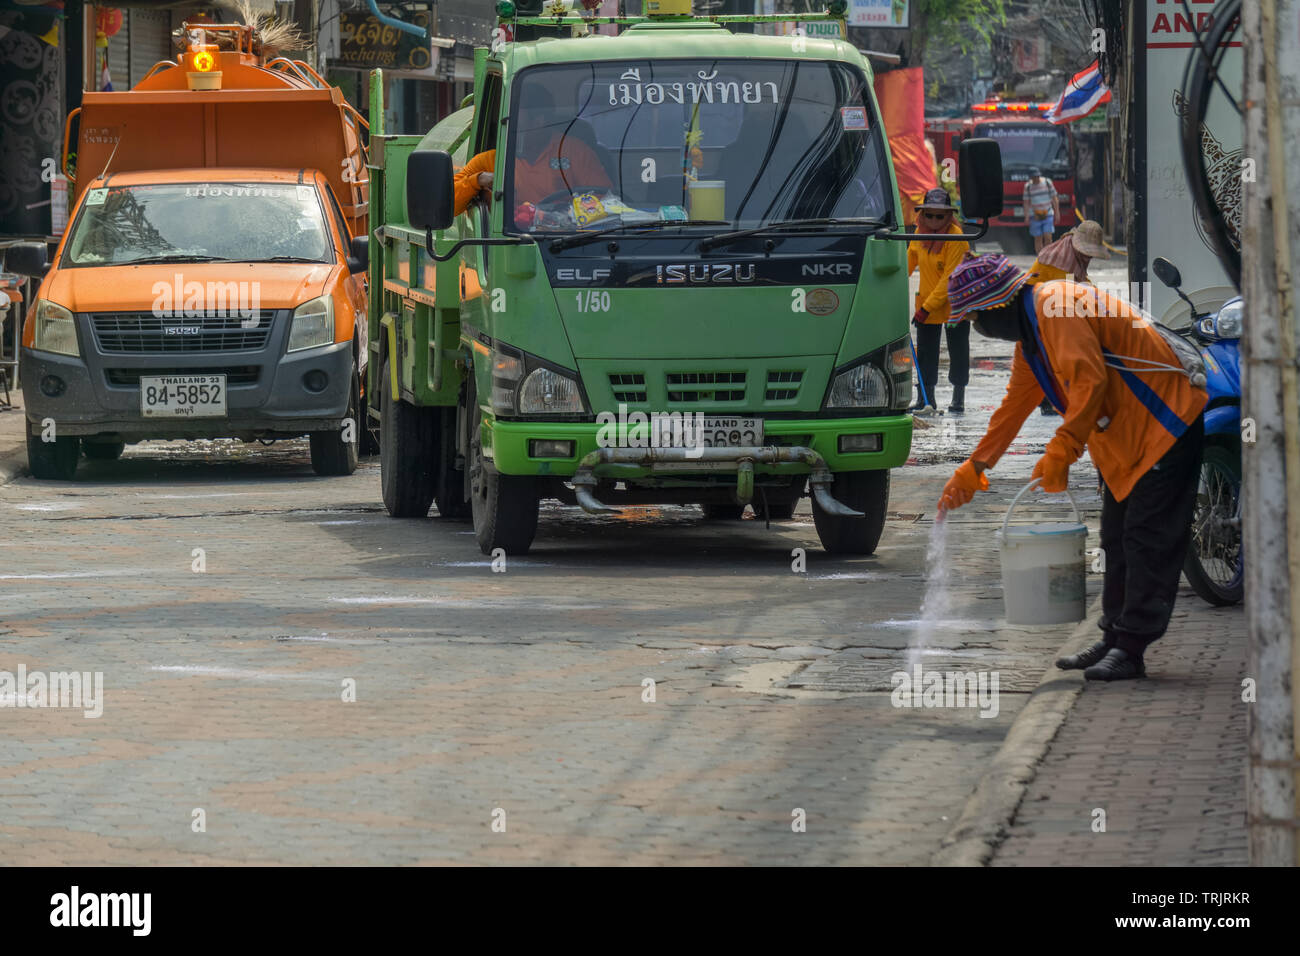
{"x": 507, "y": 442}
{"x": 266, "y": 396}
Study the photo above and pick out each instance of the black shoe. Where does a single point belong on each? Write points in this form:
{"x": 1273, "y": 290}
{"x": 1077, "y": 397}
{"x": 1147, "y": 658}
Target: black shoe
{"x": 1116, "y": 665}
{"x": 1047, "y": 409}
{"x": 1085, "y": 658}
{"x": 958, "y": 403}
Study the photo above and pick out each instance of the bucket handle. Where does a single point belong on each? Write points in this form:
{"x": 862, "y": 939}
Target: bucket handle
{"x": 1020, "y": 494}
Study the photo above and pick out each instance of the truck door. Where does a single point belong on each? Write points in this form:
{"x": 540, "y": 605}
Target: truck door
{"x": 487, "y": 129}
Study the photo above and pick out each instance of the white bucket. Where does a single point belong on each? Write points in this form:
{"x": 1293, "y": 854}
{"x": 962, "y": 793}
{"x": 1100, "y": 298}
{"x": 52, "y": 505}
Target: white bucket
{"x": 1043, "y": 569}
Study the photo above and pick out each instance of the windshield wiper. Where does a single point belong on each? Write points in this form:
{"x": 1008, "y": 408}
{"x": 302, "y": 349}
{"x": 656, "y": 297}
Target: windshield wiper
{"x": 714, "y": 241}
{"x": 287, "y": 259}
{"x": 582, "y": 238}
{"x": 174, "y": 257}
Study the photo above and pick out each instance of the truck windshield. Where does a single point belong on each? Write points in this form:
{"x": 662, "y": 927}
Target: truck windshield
{"x": 1033, "y": 144}
{"x": 176, "y": 222}
{"x": 742, "y": 142}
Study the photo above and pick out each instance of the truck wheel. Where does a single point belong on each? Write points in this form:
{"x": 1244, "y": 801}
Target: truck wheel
{"x": 865, "y": 491}
{"x": 504, "y": 506}
{"x": 450, "y": 493}
{"x": 103, "y": 450}
{"x": 53, "y": 460}
{"x": 407, "y": 454}
{"x": 331, "y": 454}
{"x": 723, "y": 512}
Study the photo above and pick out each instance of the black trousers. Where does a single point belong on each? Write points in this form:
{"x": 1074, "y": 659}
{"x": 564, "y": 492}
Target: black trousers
{"x": 927, "y": 355}
{"x": 1145, "y": 538}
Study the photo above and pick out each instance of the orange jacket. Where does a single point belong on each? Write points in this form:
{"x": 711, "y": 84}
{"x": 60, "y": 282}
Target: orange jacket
{"x": 935, "y": 269}
{"x": 1104, "y": 412}
{"x": 571, "y": 168}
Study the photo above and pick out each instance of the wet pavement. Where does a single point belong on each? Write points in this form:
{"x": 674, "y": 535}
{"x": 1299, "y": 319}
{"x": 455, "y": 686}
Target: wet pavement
{"x": 330, "y": 685}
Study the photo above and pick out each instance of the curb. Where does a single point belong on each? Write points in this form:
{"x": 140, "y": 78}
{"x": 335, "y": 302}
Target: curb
{"x": 990, "y": 808}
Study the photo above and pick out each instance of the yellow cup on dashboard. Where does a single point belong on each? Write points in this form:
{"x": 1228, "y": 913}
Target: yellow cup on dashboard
{"x": 707, "y": 199}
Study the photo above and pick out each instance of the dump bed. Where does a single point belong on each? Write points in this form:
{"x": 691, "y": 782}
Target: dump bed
{"x": 261, "y": 117}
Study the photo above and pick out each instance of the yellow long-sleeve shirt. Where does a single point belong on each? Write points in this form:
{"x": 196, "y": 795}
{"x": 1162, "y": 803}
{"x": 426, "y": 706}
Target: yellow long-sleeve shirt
{"x": 935, "y": 268}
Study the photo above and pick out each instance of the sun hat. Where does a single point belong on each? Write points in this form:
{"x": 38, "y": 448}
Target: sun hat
{"x": 982, "y": 282}
{"x": 1086, "y": 238}
{"x": 936, "y": 200}
{"x": 1035, "y": 172}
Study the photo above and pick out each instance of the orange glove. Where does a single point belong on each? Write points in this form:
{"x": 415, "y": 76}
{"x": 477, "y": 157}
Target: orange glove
{"x": 961, "y": 487}
{"x": 1053, "y": 469}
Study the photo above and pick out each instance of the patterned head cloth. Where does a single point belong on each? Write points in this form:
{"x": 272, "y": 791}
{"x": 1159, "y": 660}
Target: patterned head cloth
{"x": 982, "y": 282}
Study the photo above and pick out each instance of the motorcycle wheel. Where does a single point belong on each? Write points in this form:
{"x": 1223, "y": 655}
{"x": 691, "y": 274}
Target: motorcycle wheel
{"x": 1215, "y": 562}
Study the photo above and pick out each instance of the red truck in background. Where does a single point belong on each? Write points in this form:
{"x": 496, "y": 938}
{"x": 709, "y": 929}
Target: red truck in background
{"x": 1027, "y": 139}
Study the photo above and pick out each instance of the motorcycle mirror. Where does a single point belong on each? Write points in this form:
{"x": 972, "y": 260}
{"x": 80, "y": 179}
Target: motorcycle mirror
{"x": 1167, "y": 272}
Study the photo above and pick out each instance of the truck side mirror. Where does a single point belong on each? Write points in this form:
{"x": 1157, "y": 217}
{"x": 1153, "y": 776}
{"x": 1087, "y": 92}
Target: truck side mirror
{"x": 980, "y": 165}
{"x": 430, "y": 194}
{"x": 27, "y": 259}
{"x": 359, "y": 254}
{"x": 1167, "y": 272}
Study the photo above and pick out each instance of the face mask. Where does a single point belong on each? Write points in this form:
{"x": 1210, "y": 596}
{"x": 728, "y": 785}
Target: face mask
{"x": 1002, "y": 323}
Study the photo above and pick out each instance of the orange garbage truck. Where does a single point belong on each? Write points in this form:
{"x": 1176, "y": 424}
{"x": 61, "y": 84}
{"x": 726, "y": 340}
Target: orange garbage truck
{"x": 212, "y": 281}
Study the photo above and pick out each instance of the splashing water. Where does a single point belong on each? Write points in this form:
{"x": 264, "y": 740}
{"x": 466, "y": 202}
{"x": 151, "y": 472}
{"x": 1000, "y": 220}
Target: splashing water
{"x": 936, "y": 606}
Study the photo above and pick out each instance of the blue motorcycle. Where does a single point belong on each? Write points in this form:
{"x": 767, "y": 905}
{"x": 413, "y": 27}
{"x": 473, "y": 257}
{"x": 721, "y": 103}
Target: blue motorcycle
{"x": 1215, "y": 562}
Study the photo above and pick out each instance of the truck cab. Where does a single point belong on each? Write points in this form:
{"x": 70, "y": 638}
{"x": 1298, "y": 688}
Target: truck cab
{"x": 685, "y": 283}
{"x": 212, "y": 280}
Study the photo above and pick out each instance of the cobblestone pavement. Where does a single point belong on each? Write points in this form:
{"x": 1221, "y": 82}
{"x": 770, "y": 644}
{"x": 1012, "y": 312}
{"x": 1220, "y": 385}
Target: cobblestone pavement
{"x": 481, "y": 694}
{"x": 1165, "y": 758}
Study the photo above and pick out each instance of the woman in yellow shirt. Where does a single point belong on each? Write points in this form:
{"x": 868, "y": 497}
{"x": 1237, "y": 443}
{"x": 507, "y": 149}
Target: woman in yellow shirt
{"x": 1069, "y": 255}
{"x": 936, "y": 260}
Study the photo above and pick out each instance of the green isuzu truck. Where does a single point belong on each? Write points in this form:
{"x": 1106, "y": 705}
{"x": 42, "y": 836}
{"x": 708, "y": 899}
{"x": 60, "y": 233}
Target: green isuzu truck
{"x": 681, "y": 279}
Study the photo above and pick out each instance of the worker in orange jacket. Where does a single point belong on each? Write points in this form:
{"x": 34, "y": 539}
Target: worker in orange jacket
{"x": 936, "y": 259}
{"x": 1125, "y": 397}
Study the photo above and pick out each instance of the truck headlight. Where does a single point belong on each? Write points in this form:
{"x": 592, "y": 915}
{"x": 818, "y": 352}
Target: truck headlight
{"x": 507, "y": 370}
{"x": 546, "y": 391}
{"x": 899, "y": 364}
{"x": 312, "y": 324}
{"x": 56, "y": 329}
{"x": 863, "y": 386}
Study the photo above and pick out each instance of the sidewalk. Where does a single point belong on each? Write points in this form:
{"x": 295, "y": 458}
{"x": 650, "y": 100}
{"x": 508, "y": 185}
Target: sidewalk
{"x": 1165, "y": 758}
{"x": 13, "y": 438}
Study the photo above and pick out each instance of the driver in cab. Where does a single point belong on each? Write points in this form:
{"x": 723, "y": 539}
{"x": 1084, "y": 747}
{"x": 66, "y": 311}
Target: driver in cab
{"x": 549, "y": 159}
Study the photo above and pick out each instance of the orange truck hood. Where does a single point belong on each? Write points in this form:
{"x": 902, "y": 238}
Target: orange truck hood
{"x": 274, "y": 285}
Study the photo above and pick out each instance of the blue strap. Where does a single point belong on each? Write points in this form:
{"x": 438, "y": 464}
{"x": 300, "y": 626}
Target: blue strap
{"x": 1038, "y": 364}
{"x": 1143, "y": 393}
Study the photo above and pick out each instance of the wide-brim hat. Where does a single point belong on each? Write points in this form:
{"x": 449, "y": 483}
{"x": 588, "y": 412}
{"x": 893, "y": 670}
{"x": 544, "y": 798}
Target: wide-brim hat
{"x": 936, "y": 200}
{"x": 1087, "y": 239}
{"x": 983, "y": 282}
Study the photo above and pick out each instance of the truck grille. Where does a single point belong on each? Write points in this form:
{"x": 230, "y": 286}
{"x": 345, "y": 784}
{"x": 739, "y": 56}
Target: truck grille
{"x": 783, "y": 386}
{"x": 130, "y": 377}
{"x": 137, "y": 332}
{"x": 628, "y": 387}
{"x": 706, "y": 386}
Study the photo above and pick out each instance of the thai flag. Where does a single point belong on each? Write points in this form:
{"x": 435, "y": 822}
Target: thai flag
{"x": 1083, "y": 94}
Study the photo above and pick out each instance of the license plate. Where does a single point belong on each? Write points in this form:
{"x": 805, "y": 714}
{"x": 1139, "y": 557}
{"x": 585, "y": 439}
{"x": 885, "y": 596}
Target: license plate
{"x": 183, "y": 396}
{"x": 720, "y": 432}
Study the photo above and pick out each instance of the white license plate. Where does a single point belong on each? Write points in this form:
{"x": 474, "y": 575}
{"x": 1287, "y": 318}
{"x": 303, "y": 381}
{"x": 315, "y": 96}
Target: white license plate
{"x": 183, "y": 396}
{"x": 727, "y": 432}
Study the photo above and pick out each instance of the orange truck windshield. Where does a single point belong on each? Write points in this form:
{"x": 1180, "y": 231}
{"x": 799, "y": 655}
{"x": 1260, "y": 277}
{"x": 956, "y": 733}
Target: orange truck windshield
{"x": 199, "y": 222}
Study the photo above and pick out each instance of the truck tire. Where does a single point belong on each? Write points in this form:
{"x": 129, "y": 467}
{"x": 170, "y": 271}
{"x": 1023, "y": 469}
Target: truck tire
{"x": 53, "y": 460}
{"x": 103, "y": 450}
{"x": 865, "y": 491}
{"x": 504, "y": 506}
{"x": 450, "y": 491}
{"x": 407, "y": 454}
{"x": 331, "y": 454}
